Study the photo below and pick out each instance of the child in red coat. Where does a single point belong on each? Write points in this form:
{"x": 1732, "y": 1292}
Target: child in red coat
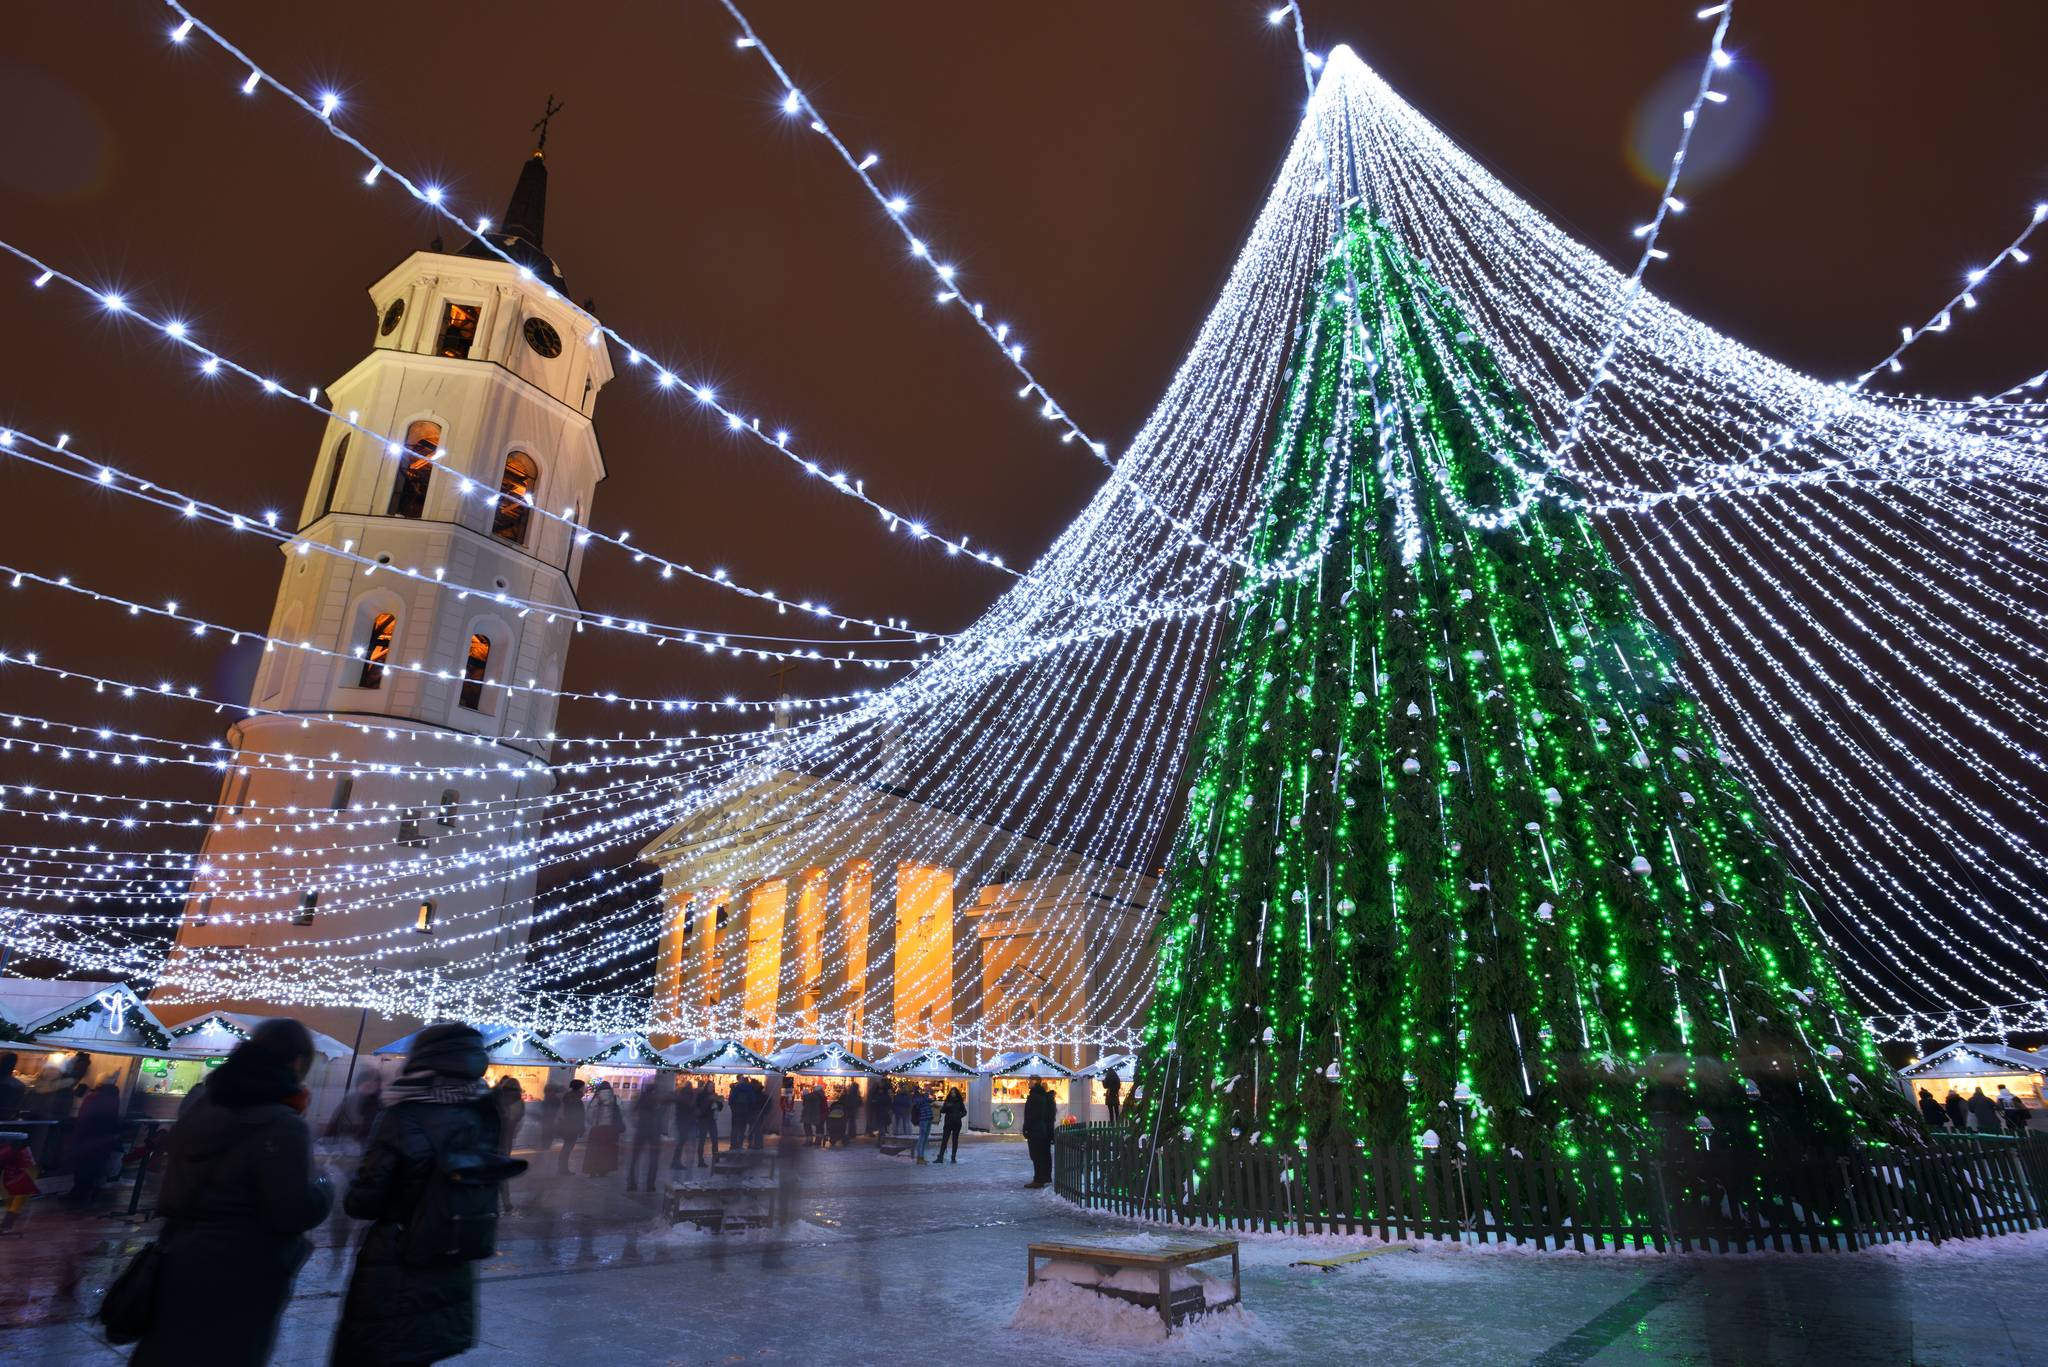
{"x": 17, "y": 1178}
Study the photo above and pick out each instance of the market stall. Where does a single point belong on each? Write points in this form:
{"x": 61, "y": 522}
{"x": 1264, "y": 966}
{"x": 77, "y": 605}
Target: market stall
{"x": 1967, "y": 1065}
{"x": 69, "y": 1032}
{"x": 199, "y": 1046}
{"x": 625, "y": 1060}
{"x": 995, "y": 1098}
{"x": 1087, "y": 1100}
{"x": 720, "y": 1063}
{"x": 816, "y": 1061}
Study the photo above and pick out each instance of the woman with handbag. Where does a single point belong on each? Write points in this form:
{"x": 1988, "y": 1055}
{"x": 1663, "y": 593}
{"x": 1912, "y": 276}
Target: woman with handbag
{"x": 239, "y": 1194}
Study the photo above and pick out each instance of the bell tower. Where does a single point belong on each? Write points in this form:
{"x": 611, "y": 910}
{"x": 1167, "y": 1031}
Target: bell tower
{"x": 380, "y": 798}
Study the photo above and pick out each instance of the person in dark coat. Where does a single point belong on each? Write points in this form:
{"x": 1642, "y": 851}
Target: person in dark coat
{"x": 708, "y": 1107}
{"x": 397, "y": 1311}
{"x": 1112, "y": 1093}
{"x": 569, "y": 1120}
{"x": 814, "y": 1116}
{"x": 13, "y": 1091}
{"x": 1983, "y": 1113}
{"x": 357, "y": 1114}
{"x": 952, "y": 1112}
{"x": 647, "y": 1135}
{"x": 1931, "y": 1112}
{"x": 689, "y": 1129}
{"x": 880, "y": 1106}
{"x": 510, "y": 1099}
{"x": 1958, "y": 1113}
{"x": 95, "y": 1142}
{"x": 1041, "y": 1115}
{"x": 239, "y": 1194}
{"x": 607, "y": 1123}
{"x": 920, "y": 1116}
{"x": 900, "y": 1107}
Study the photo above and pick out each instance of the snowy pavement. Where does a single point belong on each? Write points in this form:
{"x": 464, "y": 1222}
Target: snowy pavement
{"x": 893, "y": 1262}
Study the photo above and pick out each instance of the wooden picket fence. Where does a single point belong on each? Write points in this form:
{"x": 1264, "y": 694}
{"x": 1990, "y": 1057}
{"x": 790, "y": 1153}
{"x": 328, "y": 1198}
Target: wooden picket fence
{"x": 1958, "y": 1188}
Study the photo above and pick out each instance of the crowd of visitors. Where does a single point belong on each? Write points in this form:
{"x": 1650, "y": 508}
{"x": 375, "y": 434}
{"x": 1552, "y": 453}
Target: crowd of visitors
{"x": 1984, "y": 1114}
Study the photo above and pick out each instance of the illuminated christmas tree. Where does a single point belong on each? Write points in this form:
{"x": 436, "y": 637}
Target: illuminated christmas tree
{"x": 1461, "y": 862}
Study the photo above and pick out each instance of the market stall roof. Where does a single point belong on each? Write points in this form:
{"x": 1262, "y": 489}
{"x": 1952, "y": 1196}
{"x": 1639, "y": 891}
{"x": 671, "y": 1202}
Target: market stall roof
{"x": 1125, "y": 1065}
{"x": 1972, "y": 1058}
{"x": 1023, "y": 1063}
{"x": 715, "y": 1056}
{"x": 922, "y": 1062}
{"x": 820, "y": 1060}
{"x": 619, "y": 1049}
{"x": 403, "y": 1044}
{"x": 98, "y": 1017}
{"x": 216, "y": 1035}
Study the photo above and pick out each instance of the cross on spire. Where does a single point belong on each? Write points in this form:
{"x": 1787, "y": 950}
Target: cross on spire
{"x": 541, "y": 127}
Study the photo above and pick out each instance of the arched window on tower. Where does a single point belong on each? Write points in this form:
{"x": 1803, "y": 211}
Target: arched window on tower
{"x": 309, "y": 902}
{"x": 343, "y": 792}
{"x": 473, "y": 669}
{"x": 515, "y": 498}
{"x": 377, "y": 649}
{"x": 333, "y": 477}
{"x": 415, "y": 469}
{"x": 449, "y": 798}
{"x": 423, "y": 919}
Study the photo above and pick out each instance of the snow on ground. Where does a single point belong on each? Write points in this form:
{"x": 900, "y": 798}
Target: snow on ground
{"x": 1062, "y": 1310}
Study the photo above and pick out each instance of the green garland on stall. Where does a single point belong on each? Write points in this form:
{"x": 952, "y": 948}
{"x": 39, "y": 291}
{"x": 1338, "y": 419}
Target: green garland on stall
{"x": 1460, "y": 854}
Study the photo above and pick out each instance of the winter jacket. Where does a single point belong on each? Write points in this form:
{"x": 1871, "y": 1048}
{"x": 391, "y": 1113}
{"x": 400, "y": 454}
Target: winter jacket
{"x": 396, "y": 1312}
{"x": 569, "y": 1120}
{"x": 1041, "y": 1113}
{"x": 1932, "y": 1114}
{"x": 708, "y": 1105}
{"x": 511, "y": 1114}
{"x": 646, "y": 1114}
{"x": 954, "y": 1110}
{"x": 920, "y": 1109}
{"x": 814, "y": 1107}
{"x": 13, "y": 1093}
{"x": 239, "y": 1194}
{"x": 1958, "y": 1113}
{"x": 1985, "y": 1111}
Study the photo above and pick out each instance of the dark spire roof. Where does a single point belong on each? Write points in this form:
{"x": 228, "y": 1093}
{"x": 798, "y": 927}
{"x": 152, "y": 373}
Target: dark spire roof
{"x": 518, "y": 233}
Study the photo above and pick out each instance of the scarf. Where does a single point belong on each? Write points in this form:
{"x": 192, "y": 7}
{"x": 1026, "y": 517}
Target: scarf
{"x": 436, "y": 1089}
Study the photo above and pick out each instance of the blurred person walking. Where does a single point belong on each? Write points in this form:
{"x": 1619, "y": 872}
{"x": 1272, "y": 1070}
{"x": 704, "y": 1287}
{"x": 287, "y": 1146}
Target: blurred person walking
{"x": 239, "y": 1194}
{"x": 689, "y": 1129}
{"x": 428, "y": 1185}
{"x": 13, "y": 1091}
{"x": 607, "y": 1123}
{"x": 708, "y": 1107}
{"x": 510, "y": 1099}
{"x": 900, "y": 1107}
{"x": 647, "y": 1136}
{"x": 357, "y": 1114}
{"x": 569, "y": 1121}
{"x": 95, "y": 1143}
{"x": 814, "y": 1116}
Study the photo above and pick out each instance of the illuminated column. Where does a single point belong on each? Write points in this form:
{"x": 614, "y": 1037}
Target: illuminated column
{"x": 761, "y": 994}
{"x": 922, "y": 996}
{"x": 879, "y": 997}
{"x": 850, "y": 969}
{"x": 672, "y": 957}
{"x": 809, "y": 925}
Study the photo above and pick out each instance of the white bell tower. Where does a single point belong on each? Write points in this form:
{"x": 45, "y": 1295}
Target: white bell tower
{"x": 381, "y": 795}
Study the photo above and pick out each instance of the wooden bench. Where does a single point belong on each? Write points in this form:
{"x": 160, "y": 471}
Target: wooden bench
{"x": 1166, "y": 1255}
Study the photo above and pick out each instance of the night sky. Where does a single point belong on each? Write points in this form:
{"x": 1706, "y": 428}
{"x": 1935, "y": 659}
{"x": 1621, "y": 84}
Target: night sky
{"x": 1090, "y": 169}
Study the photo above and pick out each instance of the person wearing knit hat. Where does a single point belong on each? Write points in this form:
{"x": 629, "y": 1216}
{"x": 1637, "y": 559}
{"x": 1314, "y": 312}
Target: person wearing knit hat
{"x": 411, "y": 1300}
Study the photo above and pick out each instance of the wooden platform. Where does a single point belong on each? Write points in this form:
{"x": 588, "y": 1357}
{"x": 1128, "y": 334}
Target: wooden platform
{"x": 1165, "y": 1254}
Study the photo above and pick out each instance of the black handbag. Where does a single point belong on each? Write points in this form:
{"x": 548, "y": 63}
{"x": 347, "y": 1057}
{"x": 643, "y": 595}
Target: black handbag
{"x": 129, "y": 1307}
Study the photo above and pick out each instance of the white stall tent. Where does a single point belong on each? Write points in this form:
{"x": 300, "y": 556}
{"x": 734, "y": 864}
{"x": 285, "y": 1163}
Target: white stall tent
{"x": 820, "y": 1060}
{"x": 1967, "y": 1065}
{"x": 995, "y": 1099}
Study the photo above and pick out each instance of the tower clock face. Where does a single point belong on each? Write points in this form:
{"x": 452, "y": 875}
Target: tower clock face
{"x": 391, "y": 317}
{"x": 542, "y": 337}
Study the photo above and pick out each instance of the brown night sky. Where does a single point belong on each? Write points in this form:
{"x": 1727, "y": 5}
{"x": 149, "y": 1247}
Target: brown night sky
{"x": 1090, "y": 168}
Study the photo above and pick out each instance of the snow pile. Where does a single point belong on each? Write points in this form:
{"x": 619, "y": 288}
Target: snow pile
{"x": 1065, "y": 1309}
{"x": 1127, "y": 1279}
